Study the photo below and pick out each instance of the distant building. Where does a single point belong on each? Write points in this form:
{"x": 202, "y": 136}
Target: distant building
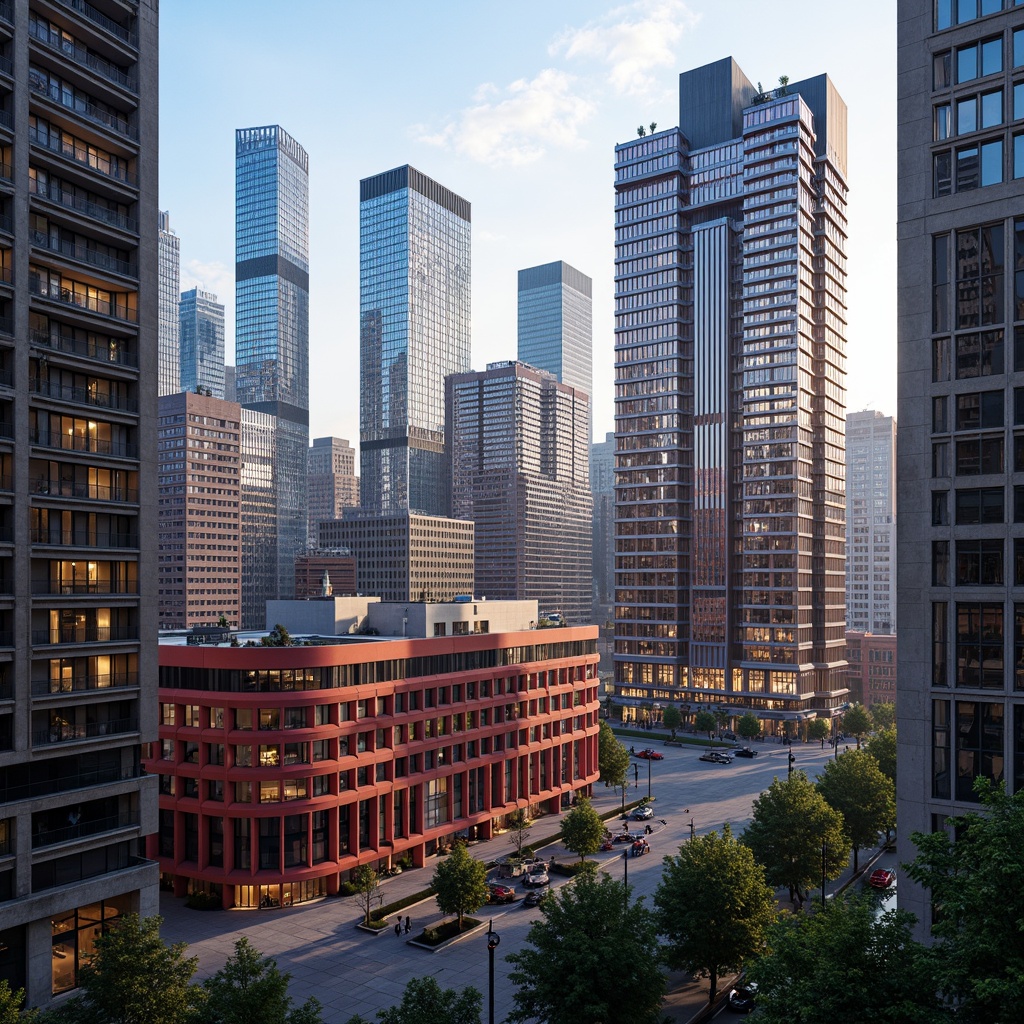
{"x": 201, "y": 319}
{"x": 310, "y": 566}
{"x": 602, "y": 493}
{"x": 200, "y": 544}
{"x": 414, "y": 329}
{"x": 331, "y": 481}
{"x": 870, "y": 522}
{"x": 259, "y": 516}
{"x": 871, "y": 675}
{"x": 518, "y": 441}
{"x": 168, "y": 346}
{"x": 405, "y": 556}
{"x": 230, "y": 394}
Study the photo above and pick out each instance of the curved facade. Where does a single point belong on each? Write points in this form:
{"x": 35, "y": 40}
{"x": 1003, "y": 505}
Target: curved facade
{"x": 282, "y": 769}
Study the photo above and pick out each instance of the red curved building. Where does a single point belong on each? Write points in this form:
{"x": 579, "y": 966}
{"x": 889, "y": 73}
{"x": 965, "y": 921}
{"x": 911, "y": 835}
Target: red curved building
{"x": 282, "y": 769}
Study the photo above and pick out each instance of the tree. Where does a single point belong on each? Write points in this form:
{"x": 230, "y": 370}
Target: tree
{"x": 748, "y": 726}
{"x": 855, "y": 786}
{"x": 641, "y": 131}
{"x": 425, "y": 1002}
{"x": 277, "y": 637}
{"x": 10, "y": 1005}
{"x": 366, "y": 882}
{"x": 249, "y": 989}
{"x": 136, "y": 978}
{"x": 591, "y": 949}
{"x": 672, "y": 718}
{"x": 841, "y": 966}
{"x": 882, "y": 747}
{"x": 819, "y": 729}
{"x": 705, "y": 721}
{"x": 612, "y": 760}
{"x": 582, "y": 829}
{"x": 721, "y": 720}
{"x": 975, "y": 887}
{"x": 883, "y": 715}
{"x": 519, "y": 829}
{"x": 461, "y": 883}
{"x": 790, "y": 822}
{"x": 713, "y": 906}
{"x": 857, "y": 722}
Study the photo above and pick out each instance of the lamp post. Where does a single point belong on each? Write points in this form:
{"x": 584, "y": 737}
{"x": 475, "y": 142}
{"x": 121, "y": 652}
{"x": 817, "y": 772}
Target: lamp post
{"x": 625, "y": 881}
{"x": 649, "y": 777}
{"x": 792, "y": 760}
{"x": 636, "y": 775}
{"x": 824, "y": 848}
{"x": 493, "y": 939}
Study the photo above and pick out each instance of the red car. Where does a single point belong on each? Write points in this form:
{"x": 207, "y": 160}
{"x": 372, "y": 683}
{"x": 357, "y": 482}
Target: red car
{"x": 882, "y": 878}
{"x": 501, "y": 894}
{"x": 650, "y": 755}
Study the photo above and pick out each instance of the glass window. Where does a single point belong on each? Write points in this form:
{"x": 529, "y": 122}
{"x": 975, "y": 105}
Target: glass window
{"x": 1018, "y": 47}
{"x": 940, "y": 419}
{"x": 979, "y": 563}
{"x": 942, "y": 128}
{"x": 940, "y": 360}
{"x": 992, "y": 108}
{"x": 1018, "y": 156}
{"x": 992, "y": 56}
{"x": 942, "y": 174}
{"x": 1018, "y": 101}
{"x": 967, "y": 177}
{"x": 943, "y": 14}
{"x": 967, "y": 63}
{"x": 992, "y": 162}
{"x": 942, "y": 70}
{"x": 979, "y": 645}
{"x": 967, "y": 115}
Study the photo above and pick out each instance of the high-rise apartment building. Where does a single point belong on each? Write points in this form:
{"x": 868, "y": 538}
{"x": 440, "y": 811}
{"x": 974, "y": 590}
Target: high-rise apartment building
{"x": 200, "y": 553}
{"x": 602, "y": 495}
{"x": 79, "y": 339}
{"x": 961, "y": 374}
{"x": 169, "y": 248}
{"x": 202, "y": 342}
{"x": 518, "y": 441}
{"x": 730, "y": 319}
{"x": 272, "y": 325}
{"x": 870, "y": 522}
{"x": 414, "y": 330}
{"x": 331, "y": 481}
{"x": 259, "y": 515}
{"x": 556, "y": 323}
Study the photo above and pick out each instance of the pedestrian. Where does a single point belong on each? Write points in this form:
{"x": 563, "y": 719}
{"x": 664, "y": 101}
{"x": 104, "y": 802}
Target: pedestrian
{"x": 398, "y": 928}
{"x": 408, "y": 924}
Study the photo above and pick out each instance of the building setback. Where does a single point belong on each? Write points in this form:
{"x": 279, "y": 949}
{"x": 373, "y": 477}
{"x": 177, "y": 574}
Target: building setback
{"x": 414, "y": 330}
{"x": 201, "y": 319}
{"x": 283, "y": 769}
{"x": 272, "y": 329}
{"x": 79, "y": 342}
{"x": 961, "y": 498}
{"x": 200, "y": 559}
{"x": 730, "y": 321}
{"x": 518, "y": 443}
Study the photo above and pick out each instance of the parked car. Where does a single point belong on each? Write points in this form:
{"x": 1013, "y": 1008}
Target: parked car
{"x": 533, "y": 899}
{"x": 642, "y": 813}
{"x": 536, "y": 877}
{"x": 716, "y": 757}
{"x": 648, "y": 754}
{"x": 744, "y": 752}
{"x": 742, "y": 1000}
{"x": 501, "y": 894}
{"x": 882, "y": 878}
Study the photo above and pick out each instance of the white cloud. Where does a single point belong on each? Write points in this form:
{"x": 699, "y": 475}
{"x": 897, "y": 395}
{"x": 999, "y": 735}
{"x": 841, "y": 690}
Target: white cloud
{"x": 631, "y": 40}
{"x": 211, "y": 277}
{"x": 518, "y": 124}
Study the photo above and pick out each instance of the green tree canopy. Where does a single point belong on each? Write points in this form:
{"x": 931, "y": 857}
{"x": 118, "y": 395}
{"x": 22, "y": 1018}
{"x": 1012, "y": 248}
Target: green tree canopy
{"x": 672, "y": 718}
{"x": 840, "y": 966}
{"x": 582, "y": 829}
{"x": 705, "y": 721}
{"x": 367, "y": 885}
{"x": 976, "y": 881}
{"x": 425, "y": 1002}
{"x": 10, "y": 1005}
{"x": 855, "y": 786}
{"x": 612, "y": 757}
{"x": 819, "y": 729}
{"x": 883, "y": 715}
{"x": 881, "y": 745}
{"x": 713, "y": 906}
{"x": 790, "y": 822}
{"x": 461, "y": 883}
{"x": 136, "y": 978}
{"x": 249, "y": 989}
{"x": 519, "y": 829}
{"x": 592, "y": 958}
{"x": 857, "y": 722}
{"x": 748, "y": 726}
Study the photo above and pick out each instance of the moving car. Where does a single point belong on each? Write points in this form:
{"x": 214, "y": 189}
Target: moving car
{"x": 536, "y": 877}
{"x": 642, "y": 813}
{"x": 650, "y": 755}
{"x": 882, "y": 878}
{"x": 744, "y": 752}
{"x": 716, "y": 757}
{"x": 741, "y": 1000}
{"x": 533, "y": 899}
{"x": 501, "y": 894}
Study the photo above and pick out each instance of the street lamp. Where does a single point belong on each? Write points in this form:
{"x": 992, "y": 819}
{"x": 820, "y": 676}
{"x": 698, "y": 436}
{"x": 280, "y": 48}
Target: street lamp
{"x": 649, "y": 777}
{"x": 625, "y": 881}
{"x": 636, "y": 775}
{"x": 493, "y": 939}
{"x": 824, "y": 848}
{"x": 792, "y": 761}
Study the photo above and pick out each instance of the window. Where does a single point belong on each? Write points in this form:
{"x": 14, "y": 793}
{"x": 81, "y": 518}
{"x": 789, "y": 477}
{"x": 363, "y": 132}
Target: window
{"x": 979, "y": 276}
{"x": 979, "y": 354}
{"x": 976, "y": 60}
{"x": 942, "y": 70}
{"x": 979, "y": 563}
{"x": 979, "y": 746}
{"x": 979, "y": 409}
{"x": 939, "y": 645}
{"x": 979, "y": 645}
{"x": 942, "y": 179}
{"x": 979, "y": 455}
{"x": 991, "y": 108}
{"x": 967, "y": 115}
{"x": 940, "y": 749}
{"x": 940, "y": 420}
{"x": 940, "y": 284}
{"x": 980, "y": 505}
{"x": 940, "y": 563}
{"x": 1018, "y": 47}
{"x": 991, "y": 162}
{"x": 940, "y": 360}
{"x": 942, "y": 122}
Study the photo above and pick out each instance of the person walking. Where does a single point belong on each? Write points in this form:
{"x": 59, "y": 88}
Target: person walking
{"x": 398, "y": 928}
{"x": 408, "y": 924}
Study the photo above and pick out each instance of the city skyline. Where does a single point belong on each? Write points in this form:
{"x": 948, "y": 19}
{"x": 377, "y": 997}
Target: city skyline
{"x": 525, "y": 133}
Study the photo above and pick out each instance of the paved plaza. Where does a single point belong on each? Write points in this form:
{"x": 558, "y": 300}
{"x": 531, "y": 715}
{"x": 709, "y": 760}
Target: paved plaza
{"x": 351, "y": 971}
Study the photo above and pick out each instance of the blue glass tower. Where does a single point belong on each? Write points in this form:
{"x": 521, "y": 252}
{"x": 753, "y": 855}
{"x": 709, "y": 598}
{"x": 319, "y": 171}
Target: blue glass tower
{"x": 201, "y": 319}
{"x": 414, "y": 304}
{"x": 272, "y": 325}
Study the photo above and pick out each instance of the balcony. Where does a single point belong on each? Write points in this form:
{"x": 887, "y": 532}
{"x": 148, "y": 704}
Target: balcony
{"x": 80, "y": 153}
{"x": 37, "y": 785}
{"x": 70, "y": 50}
{"x": 82, "y": 300}
{"x": 68, "y": 588}
{"x": 82, "y": 829}
{"x": 98, "y": 18}
{"x": 81, "y": 443}
{"x": 82, "y": 539}
{"x": 7, "y": 11}
{"x": 83, "y": 254}
{"x": 68, "y": 733}
{"x": 82, "y": 396}
{"x": 83, "y": 206}
{"x": 85, "y": 683}
{"x": 81, "y": 635}
{"x": 87, "y": 110}
{"x": 84, "y": 491}
{"x": 95, "y": 347}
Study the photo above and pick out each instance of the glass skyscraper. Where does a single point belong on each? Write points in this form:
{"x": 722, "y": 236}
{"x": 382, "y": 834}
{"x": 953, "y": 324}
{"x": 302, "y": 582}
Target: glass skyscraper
{"x": 169, "y": 270}
{"x": 272, "y": 331}
{"x": 414, "y": 305}
{"x": 556, "y": 323}
{"x": 201, "y": 319}
{"x": 730, "y": 365}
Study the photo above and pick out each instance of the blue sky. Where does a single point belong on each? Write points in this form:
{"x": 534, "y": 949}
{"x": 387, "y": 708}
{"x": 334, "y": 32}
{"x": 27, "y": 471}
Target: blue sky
{"x": 516, "y": 107}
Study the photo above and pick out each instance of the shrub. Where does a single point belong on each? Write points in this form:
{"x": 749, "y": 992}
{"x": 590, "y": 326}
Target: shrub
{"x": 346, "y": 889}
{"x": 203, "y": 901}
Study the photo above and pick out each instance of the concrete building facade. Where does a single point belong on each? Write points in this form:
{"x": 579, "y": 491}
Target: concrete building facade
{"x": 331, "y": 481}
{"x": 871, "y": 676}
